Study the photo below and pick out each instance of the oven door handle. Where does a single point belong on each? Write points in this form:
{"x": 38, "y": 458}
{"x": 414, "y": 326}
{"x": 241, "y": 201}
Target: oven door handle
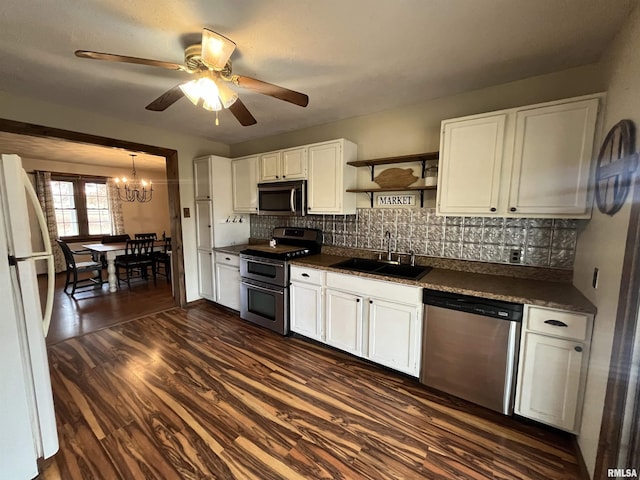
{"x": 264, "y": 289}
{"x": 255, "y": 260}
{"x": 293, "y": 200}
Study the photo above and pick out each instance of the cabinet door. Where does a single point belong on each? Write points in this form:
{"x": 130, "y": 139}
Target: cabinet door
{"x": 294, "y": 163}
{"x": 270, "y": 167}
{"x": 204, "y": 225}
{"x": 552, "y": 158}
{"x": 228, "y": 286}
{"x": 244, "y": 172}
{"x": 471, "y": 159}
{"x": 306, "y": 309}
{"x": 325, "y": 178}
{"x": 549, "y": 386}
{"x": 343, "y": 321}
{"x": 202, "y": 178}
{"x": 205, "y": 275}
{"x": 394, "y": 335}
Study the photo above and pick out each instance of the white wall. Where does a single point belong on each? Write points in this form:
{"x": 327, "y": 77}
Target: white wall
{"x": 602, "y": 242}
{"x": 44, "y": 113}
{"x": 138, "y": 217}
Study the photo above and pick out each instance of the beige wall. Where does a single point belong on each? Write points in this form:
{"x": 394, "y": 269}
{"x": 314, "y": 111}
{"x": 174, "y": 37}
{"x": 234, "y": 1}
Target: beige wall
{"x": 416, "y": 128}
{"x": 152, "y": 216}
{"x": 602, "y": 242}
{"x": 43, "y": 113}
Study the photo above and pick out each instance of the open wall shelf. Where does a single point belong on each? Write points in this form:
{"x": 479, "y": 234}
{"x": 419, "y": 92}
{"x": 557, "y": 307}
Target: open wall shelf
{"x": 418, "y": 157}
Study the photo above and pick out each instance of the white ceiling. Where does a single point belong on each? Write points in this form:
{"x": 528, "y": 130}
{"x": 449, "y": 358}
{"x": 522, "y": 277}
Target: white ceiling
{"x": 352, "y": 57}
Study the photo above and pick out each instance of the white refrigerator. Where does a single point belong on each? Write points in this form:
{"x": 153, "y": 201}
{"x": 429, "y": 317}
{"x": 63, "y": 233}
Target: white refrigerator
{"x": 27, "y": 417}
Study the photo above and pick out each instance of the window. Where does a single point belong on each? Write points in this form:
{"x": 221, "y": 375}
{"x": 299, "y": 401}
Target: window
{"x": 81, "y": 205}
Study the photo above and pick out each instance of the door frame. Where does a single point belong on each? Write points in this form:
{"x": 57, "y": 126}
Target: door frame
{"x": 619, "y": 380}
{"x": 173, "y": 184}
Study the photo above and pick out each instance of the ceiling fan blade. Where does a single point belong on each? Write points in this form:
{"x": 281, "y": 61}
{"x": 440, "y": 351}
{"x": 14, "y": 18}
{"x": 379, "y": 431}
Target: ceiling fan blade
{"x": 272, "y": 90}
{"x": 165, "y": 100}
{"x": 125, "y": 59}
{"x": 216, "y": 49}
{"x": 242, "y": 114}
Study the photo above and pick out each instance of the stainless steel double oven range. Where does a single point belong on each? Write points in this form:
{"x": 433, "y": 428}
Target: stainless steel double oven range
{"x": 264, "y": 291}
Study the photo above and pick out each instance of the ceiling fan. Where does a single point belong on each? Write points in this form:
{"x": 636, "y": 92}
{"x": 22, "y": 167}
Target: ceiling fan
{"x": 209, "y": 63}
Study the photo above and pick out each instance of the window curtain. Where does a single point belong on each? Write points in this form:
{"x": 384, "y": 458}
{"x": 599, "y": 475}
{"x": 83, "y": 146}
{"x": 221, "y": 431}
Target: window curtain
{"x": 115, "y": 208}
{"x": 43, "y": 189}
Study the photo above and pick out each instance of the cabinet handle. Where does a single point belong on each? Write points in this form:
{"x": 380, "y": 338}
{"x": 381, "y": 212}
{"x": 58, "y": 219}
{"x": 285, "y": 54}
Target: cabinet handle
{"x": 493, "y": 209}
{"x": 556, "y": 323}
{"x": 284, "y": 176}
{"x": 578, "y": 348}
{"x": 227, "y": 258}
{"x": 277, "y": 176}
{"x": 305, "y": 275}
{"x": 357, "y": 300}
{"x": 370, "y": 301}
{"x": 513, "y": 209}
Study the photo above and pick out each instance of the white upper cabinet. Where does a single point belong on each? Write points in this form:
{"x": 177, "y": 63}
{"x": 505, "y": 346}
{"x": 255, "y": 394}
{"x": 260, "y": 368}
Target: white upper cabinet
{"x": 530, "y": 161}
{"x": 470, "y": 177}
{"x": 294, "y": 163}
{"x": 244, "y": 172}
{"x": 551, "y": 159}
{"x": 283, "y": 165}
{"x": 330, "y": 177}
{"x": 202, "y": 178}
{"x": 270, "y": 167}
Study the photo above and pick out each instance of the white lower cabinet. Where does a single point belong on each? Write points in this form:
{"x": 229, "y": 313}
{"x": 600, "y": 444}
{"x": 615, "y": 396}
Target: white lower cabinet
{"x": 553, "y": 364}
{"x": 343, "y": 321}
{"x": 228, "y": 280}
{"x": 373, "y": 319}
{"x": 205, "y": 275}
{"x": 305, "y": 298}
{"x": 394, "y": 335}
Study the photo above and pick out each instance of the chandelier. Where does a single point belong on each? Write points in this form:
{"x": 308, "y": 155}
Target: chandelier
{"x": 132, "y": 189}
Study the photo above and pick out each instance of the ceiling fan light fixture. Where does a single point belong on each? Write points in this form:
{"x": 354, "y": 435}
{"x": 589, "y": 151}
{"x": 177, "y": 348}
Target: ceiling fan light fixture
{"x": 226, "y": 95}
{"x": 216, "y": 49}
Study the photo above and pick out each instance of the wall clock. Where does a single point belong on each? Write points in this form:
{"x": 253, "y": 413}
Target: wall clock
{"x": 616, "y": 163}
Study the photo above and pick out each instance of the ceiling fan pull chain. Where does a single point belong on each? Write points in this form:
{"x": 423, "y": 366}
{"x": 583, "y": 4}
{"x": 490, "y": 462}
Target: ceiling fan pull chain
{"x": 217, "y": 121}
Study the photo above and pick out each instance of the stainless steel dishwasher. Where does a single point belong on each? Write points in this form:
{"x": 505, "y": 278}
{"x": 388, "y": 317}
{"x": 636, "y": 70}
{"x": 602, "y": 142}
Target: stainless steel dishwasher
{"x": 470, "y": 348}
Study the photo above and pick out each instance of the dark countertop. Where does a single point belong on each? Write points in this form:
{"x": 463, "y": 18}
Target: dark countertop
{"x": 232, "y": 249}
{"x": 533, "y": 292}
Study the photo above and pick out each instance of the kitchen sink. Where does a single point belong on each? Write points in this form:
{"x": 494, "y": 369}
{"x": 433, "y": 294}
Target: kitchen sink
{"x": 410, "y": 272}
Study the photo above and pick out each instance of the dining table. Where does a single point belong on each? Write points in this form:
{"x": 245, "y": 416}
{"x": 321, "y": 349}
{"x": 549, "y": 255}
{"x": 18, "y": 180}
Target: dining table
{"x": 111, "y": 251}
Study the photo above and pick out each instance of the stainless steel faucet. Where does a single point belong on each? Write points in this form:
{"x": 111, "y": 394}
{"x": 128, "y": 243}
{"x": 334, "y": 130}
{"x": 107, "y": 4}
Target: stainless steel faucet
{"x": 387, "y": 235}
{"x": 412, "y": 258}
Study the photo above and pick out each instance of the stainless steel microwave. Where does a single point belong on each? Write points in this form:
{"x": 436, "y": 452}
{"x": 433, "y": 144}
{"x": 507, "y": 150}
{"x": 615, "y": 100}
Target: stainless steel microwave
{"x": 283, "y": 198}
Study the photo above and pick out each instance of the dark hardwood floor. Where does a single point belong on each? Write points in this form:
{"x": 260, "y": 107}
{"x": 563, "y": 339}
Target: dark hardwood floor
{"x": 92, "y": 309}
{"x": 201, "y": 394}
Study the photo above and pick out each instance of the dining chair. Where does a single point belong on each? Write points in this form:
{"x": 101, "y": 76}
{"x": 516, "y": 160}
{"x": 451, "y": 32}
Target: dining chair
{"x": 74, "y": 268}
{"x": 115, "y": 238}
{"x": 136, "y": 261}
{"x": 163, "y": 259}
{"x": 152, "y": 236}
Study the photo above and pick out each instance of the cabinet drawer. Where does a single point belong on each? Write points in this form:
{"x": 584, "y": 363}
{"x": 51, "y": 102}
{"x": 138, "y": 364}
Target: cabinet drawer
{"x": 306, "y": 275}
{"x": 395, "y": 292}
{"x": 557, "y": 322}
{"x": 228, "y": 259}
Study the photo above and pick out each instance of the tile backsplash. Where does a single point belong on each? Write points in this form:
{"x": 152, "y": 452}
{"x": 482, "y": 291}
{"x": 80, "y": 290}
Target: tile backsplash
{"x": 543, "y": 242}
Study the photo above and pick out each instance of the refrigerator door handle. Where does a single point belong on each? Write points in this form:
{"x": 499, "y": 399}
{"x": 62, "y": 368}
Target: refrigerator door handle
{"x": 46, "y": 255}
{"x": 33, "y": 197}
